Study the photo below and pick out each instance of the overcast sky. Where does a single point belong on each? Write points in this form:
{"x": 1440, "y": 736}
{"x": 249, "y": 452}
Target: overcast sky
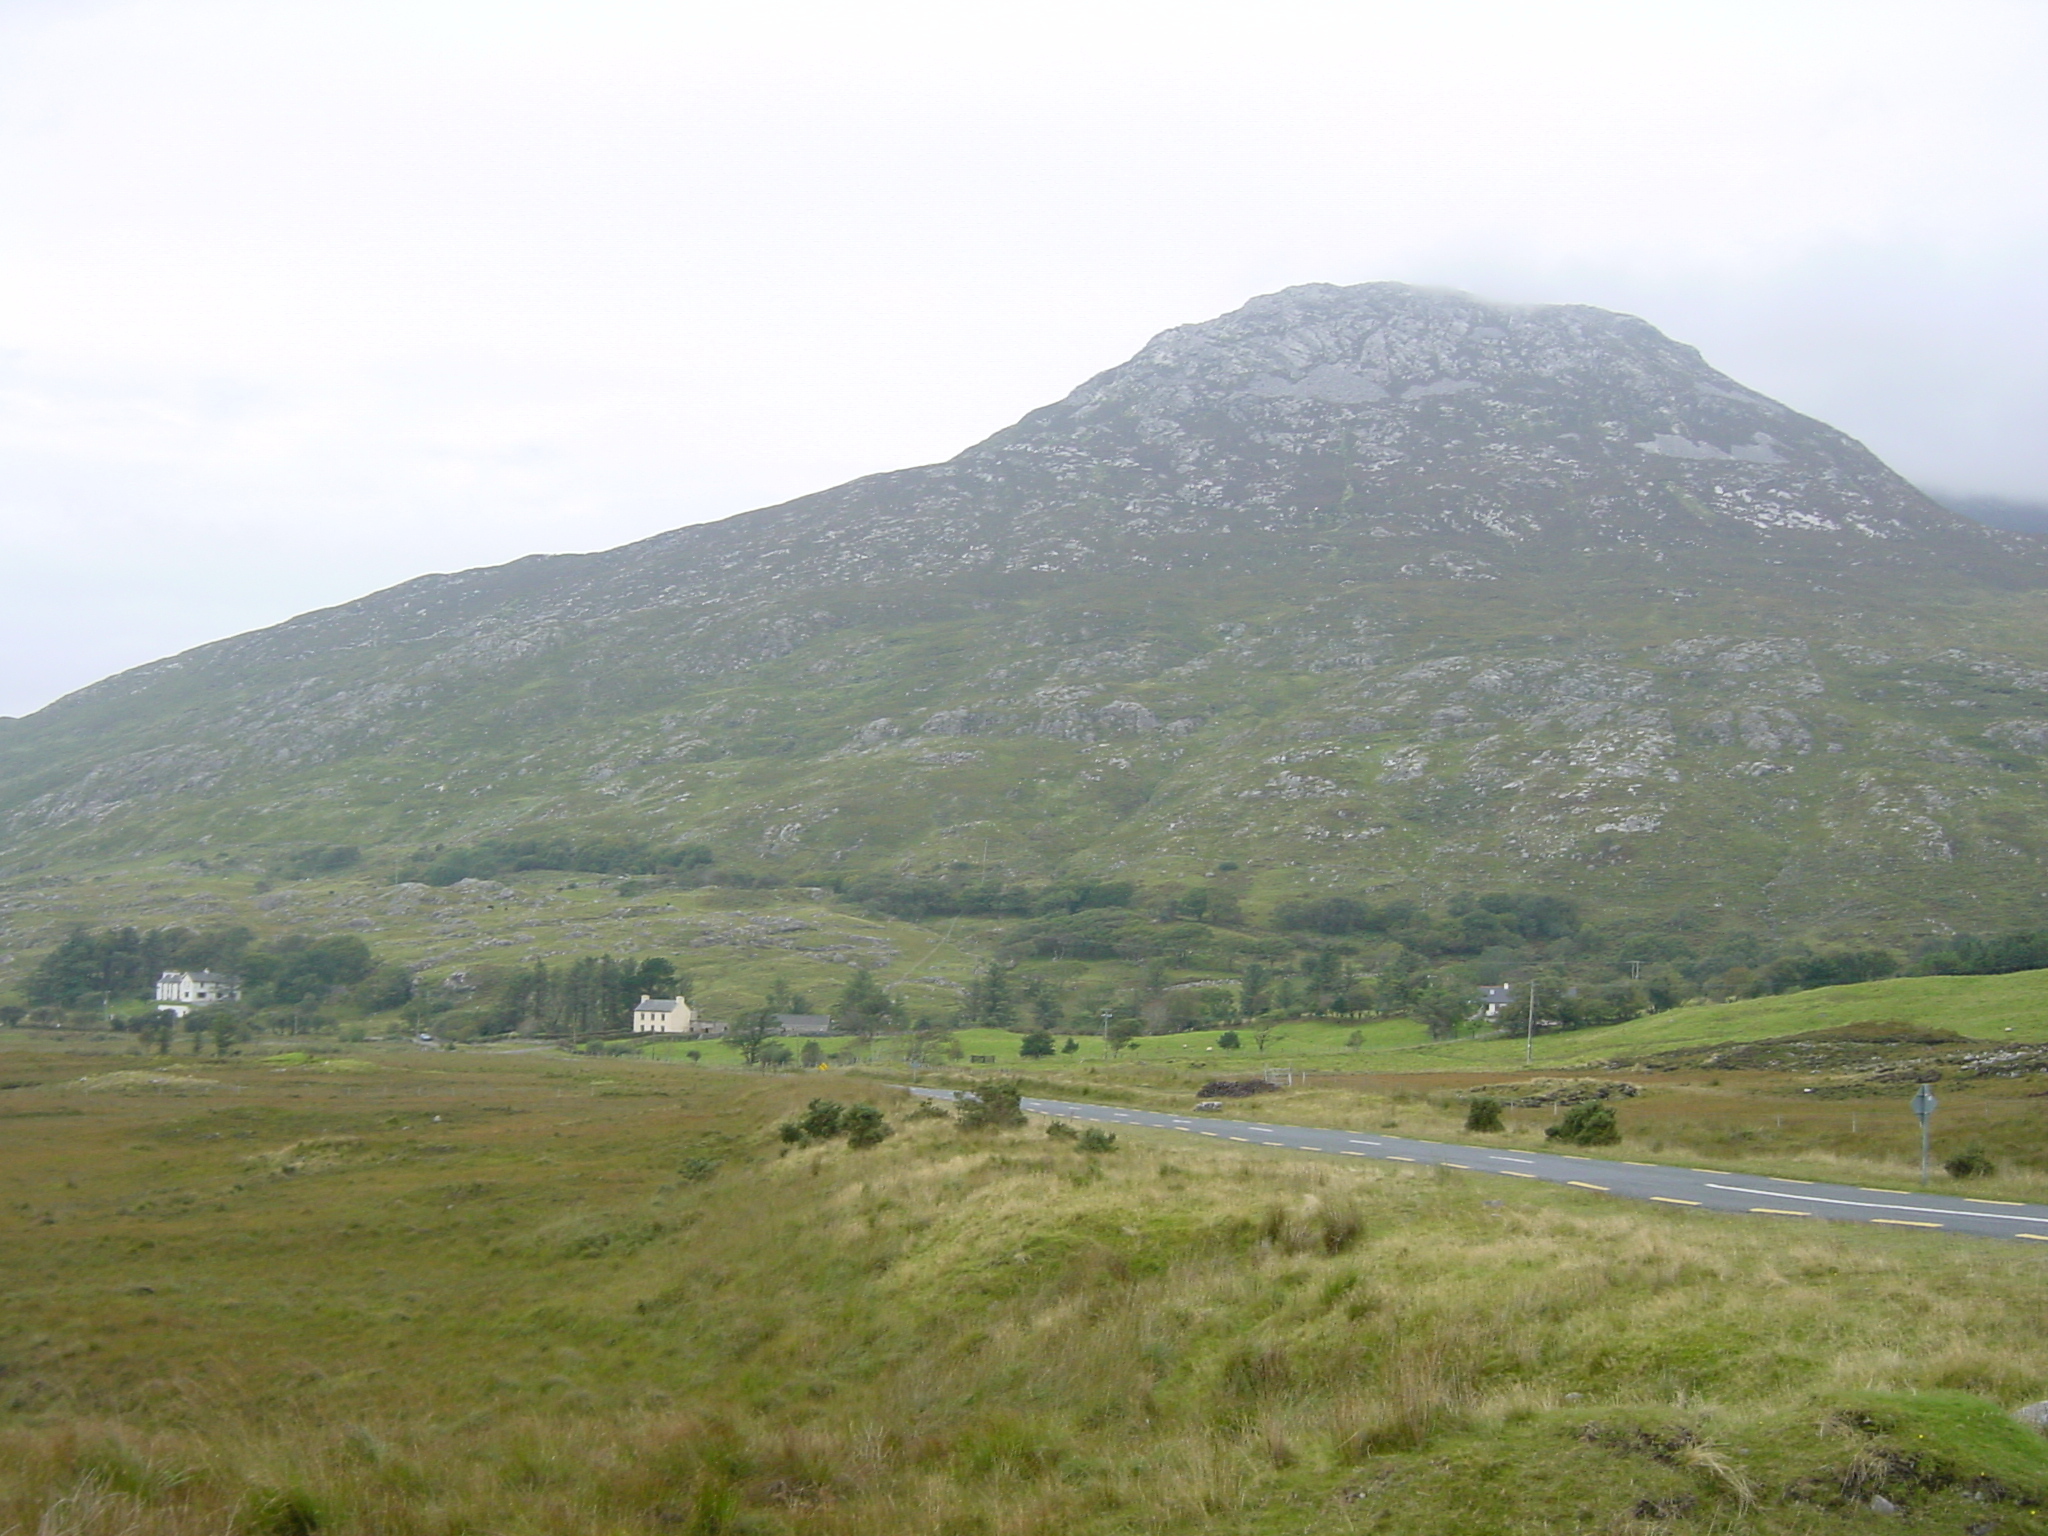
{"x": 301, "y": 300}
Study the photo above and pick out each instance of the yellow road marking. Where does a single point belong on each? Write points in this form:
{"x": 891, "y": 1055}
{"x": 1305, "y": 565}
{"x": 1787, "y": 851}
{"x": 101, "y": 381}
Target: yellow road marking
{"x": 2033, "y": 1237}
{"x": 1466, "y": 1166}
{"x": 1672, "y": 1200}
{"x": 1771, "y": 1210}
{"x": 1980, "y": 1200}
{"x": 1398, "y": 1159}
{"x": 1582, "y": 1184}
{"x": 1240, "y": 1138}
{"x": 1887, "y": 1221}
{"x": 1513, "y": 1173}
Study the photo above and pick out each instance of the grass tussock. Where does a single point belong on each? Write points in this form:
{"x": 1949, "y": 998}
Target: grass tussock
{"x": 490, "y": 1297}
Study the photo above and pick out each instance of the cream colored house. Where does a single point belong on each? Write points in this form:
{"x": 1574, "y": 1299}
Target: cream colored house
{"x": 664, "y": 1016}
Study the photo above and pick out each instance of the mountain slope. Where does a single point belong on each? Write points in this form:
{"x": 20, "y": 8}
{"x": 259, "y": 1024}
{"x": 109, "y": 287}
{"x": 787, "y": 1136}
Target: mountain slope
{"x": 1374, "y": 588}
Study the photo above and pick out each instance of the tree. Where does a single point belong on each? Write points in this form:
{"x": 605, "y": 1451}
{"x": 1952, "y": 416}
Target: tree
{"x": 1441, "y": 1010}
{"x": 810, "y": 1055}
{"x": 989, "y": 1002}
{"x": 656, "y": 977}
{"x": 752, "y": 1032}
{"x": 1121, "y": 1032}
{"x": 1251, "y": 990}
{"x": 1228, "y": 1041}
{"x": 157, "y": 1029}
{"x": 1263, "y": 1035}
{"x": 1354, "y": 1040}
{"x": 1042, "y": 1002}
{"x": 863, "y": 1007}
{"x": 1070, "y": 1047}
{"x": 1400, "y": 983}
{"x": 1037, "y": 1043}
{"x": 225, "y": 1029}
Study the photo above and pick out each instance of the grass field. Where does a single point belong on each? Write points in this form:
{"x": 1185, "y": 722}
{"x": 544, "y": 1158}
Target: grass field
{"x": 1995, "y": 1008}
{"x": 433, "y": 1293}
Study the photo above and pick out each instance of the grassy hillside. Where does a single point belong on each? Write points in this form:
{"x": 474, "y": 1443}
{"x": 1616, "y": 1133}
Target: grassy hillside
{"x": 418, "y": 1293}
{"x": 2012, "y": 1008}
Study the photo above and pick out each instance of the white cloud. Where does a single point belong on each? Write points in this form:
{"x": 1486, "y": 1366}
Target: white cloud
{"x": 313, "y": 298}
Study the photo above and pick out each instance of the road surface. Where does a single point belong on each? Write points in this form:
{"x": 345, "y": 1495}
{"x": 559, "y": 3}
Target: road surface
{"x": 1688, "y": 1188}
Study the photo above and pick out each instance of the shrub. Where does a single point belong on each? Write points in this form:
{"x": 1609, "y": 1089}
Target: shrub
{"x": 1228, "y": 1041}
{"x": 1059, "y": 1130}
{"x": 1586, "y": 1125}
{"x": 1483, "y": 1114}
{"x": 865, "y": 1126}
{"x": 991, "y": 1106}
{"x": 1970, "y": 1163}
{"x": 823, "y": 1119}
{"x": 1096, "y": 1140}
{"x": 1037, "y": 1043}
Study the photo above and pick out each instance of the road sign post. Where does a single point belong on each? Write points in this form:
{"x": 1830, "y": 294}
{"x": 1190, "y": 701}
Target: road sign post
{"x": 1923, "y": 1106}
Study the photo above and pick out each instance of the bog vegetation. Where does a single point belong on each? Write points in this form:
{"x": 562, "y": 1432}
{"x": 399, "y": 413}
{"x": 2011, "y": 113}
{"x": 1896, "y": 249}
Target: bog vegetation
{"x": 415, "y": 1295}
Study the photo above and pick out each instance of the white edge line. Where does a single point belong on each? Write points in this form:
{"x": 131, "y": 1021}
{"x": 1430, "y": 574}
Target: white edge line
{"x": 1877, "y": 1205}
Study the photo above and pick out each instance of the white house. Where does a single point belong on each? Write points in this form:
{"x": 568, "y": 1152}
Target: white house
{"x": 664, "y": 1016}
{"x": 198, "y": 988}
{"x": 1496, "y": 1001}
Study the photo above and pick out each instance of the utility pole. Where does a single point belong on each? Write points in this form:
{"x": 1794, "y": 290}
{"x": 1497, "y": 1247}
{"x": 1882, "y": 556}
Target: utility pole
{"x": 1107, "y": 1015}
{"x": 1923, "y": 1106}
{"x": 1529, "y": 1045}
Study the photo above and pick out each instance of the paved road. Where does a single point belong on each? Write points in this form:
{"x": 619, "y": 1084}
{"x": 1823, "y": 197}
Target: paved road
{"x": 1693, "y": 1188}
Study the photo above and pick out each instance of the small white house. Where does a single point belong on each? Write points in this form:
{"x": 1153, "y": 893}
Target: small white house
{"x": 1496, "y": 1001}
{"x": 196, "y": 989}
{"x": 664, "y": 1016}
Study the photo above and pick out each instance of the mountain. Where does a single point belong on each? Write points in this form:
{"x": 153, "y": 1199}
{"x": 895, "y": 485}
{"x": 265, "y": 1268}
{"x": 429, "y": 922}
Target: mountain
{"x": 1368, "y": 589}
{"x": 2001, "y": 512}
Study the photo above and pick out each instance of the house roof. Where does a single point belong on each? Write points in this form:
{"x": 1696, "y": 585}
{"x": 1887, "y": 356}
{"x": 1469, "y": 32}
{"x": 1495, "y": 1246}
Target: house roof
{"x": 659, "y": 1005}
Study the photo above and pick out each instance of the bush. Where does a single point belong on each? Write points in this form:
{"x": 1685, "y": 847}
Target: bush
{"x": 1586, "y": 1125}
{"x": 1059, "y": 1130}
{"x": 1970, "y": 1163}
{"x": 821, "y": 1120}
{"x": 992, "y": 1106}
{"x": 1037, "y": 1043}
{"x": 1228, "y": 1041}
{"x": 1094, "y": 1140}
{"x": 865, "y": 1126}
{"x": 1483, "y": 1114}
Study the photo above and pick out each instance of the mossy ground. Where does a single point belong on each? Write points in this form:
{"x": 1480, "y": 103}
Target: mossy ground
{"x": 455, "y": 1292}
